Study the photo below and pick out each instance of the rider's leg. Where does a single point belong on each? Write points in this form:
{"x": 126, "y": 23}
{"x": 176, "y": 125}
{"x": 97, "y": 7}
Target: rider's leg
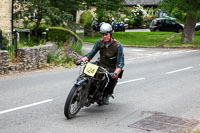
{"x": 109, "y": 90}
{"x": 111, "y": 85}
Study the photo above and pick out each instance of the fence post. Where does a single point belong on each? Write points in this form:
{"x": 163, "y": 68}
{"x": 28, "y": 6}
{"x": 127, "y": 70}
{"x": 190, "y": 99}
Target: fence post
{"x": 1, "y": 40}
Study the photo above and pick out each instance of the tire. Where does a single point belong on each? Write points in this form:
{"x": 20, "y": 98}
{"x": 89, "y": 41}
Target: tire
{"x": 180, "y": 30}
{"x": 100, "y": 103}
{"x": 124, "y": 29}
{"x": 157, "y": 30}
{"x": 74, "y": 98}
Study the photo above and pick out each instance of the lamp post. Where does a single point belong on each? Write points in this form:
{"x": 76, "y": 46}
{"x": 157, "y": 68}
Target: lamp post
{"x": 13, "y": 34}
{"x": 1, "y": 39}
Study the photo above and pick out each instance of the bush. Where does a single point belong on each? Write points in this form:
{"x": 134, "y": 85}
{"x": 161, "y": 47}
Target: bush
{"x": 131, "y": 22}
{"x": 5, "y": 43}
{"x": 34, "y": 41}
{"x": 65, "y": 55}
{"x": 138, "y": 13}
{"x": 106, "y": 16}
{"x": 59, "y": 34}
{"x": 86, "y": 19}
{"x": 42, "y": 28}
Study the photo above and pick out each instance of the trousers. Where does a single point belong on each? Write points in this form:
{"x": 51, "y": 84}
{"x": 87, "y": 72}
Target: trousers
{"x": 111, "y": 85}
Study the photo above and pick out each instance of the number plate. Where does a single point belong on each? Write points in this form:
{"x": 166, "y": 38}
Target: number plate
{"x": 90, "y": 69}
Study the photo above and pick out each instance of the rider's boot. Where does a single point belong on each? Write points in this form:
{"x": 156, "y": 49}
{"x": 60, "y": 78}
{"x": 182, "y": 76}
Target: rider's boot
{"x": 106, "y": 99}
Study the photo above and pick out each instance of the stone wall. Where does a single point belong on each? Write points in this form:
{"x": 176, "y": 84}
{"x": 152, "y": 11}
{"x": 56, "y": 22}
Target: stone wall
{"x": 5, "y": 15}
{"x": 4, "y": 61}
{"x": 28, "y": 59}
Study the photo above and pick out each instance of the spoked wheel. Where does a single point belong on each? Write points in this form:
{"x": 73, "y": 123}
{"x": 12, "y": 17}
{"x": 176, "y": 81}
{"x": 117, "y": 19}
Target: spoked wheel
{"x": 73, "y": 102}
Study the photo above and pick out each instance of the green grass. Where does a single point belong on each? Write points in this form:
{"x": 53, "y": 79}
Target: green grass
{"x": 147, "y": 38}
{"x": 177, "y": 41}
{"x": 136, "y": 38}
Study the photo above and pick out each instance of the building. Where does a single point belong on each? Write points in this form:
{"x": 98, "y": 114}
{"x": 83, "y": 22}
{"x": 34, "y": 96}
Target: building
{"x": 6, "y": 15}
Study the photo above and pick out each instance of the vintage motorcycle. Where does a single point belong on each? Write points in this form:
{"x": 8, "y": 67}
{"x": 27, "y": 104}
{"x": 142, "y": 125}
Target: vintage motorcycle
{"x": 119, "y": 26}
{"x": 96, "y": 25}
{"x": 88, "y": 89}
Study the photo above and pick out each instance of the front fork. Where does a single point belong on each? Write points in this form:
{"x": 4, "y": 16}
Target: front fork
{"x": 85, "y": 90}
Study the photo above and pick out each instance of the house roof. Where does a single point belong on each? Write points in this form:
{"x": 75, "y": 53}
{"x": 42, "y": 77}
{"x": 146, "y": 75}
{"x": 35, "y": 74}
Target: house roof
{"x": 144, "y": 2}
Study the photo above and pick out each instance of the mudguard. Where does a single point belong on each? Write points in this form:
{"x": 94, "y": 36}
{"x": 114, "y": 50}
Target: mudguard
{"x": 79, "y": 81}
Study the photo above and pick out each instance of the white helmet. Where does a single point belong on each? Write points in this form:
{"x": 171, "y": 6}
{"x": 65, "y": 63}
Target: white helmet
{"x": 105, "y": 28}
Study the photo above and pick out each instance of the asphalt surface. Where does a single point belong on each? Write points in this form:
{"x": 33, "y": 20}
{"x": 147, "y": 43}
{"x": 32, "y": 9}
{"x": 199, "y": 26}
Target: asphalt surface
{"x": 155, "y": 81}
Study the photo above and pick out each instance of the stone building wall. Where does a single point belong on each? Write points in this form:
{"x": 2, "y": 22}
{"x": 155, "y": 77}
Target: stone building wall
{"x": 28, "y": 59}
{"x": 5, "y": 15}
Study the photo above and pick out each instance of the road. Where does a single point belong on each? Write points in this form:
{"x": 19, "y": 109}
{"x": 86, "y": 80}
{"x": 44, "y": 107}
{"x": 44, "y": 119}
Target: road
{"x": 155, "y": 82}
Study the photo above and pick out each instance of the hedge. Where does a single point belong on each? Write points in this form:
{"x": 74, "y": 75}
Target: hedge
{"x": 86, "y": 19}
{"x": 59, "y": 34}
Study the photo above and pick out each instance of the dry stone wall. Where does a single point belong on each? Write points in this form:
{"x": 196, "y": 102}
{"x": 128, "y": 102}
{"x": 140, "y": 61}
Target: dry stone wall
{"x": 28, "y": 59}
{"x": 4, "y": 61}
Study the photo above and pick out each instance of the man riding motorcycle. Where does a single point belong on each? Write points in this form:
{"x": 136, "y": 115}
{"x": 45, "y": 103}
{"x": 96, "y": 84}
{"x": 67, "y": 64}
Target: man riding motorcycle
{"x": 111, "y": 57}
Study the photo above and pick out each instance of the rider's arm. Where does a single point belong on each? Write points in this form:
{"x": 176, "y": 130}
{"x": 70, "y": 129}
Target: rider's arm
{"x": 118, "y": 70}
{"x": 84, "y": 58}
{"x": 92, "y": 53}
{"x": 120, "y": 59}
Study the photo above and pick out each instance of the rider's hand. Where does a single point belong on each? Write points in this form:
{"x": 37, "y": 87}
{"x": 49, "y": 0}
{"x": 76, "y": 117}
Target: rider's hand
{"x": 78, "y": 62}
{"x": 113, "y": 75}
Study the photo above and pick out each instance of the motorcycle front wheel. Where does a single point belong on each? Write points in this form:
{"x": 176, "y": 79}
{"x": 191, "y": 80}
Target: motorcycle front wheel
{"x": 73, "y": 102}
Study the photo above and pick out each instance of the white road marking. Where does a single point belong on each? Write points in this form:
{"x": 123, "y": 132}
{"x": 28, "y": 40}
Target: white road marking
{"x": 137, "y": 58}
{"x": 179, "y": 70}
{"x": 138, "y": 50}
{"x": 162, "y": 54}
{"x": 25, "y": 106}
{"x": 130, "y": 81}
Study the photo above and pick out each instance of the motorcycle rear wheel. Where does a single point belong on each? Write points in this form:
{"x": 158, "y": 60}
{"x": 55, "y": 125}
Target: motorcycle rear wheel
{"x": 73, "y": 102}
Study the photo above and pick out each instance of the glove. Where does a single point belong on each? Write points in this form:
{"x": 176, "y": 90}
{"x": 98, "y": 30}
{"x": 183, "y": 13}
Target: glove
{"x": 78, "y": 62}
{"x": 113, "y": 75}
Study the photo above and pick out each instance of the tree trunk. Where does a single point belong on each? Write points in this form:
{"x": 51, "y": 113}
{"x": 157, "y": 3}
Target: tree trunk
{"x": 37, "y": 26}
{"x": 74, "y": 21}
{"x": 189, "y": 27}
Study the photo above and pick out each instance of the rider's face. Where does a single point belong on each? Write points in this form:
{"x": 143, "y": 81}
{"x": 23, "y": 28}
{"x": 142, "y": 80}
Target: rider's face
{"x": 106, "y": 37}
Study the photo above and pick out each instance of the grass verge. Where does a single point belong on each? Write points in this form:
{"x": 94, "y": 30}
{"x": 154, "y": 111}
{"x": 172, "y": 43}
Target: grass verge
{"x": 177, "y": 41}
{"x": 149, "y": 39}
{"x": 136, "y": 38}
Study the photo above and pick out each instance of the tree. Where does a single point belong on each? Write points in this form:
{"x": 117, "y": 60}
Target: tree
{"x": 102, "y": 6}
{"x": 57, "y": 12}
{"x": 70, "y": 7}
{"x": 191, "y": 8}
{"x": 106, "y": 7}
{"x": 42, "y": 10}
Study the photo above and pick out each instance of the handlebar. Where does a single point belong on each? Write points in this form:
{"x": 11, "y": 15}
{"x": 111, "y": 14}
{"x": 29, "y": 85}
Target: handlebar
{"x": 83, "y": 63}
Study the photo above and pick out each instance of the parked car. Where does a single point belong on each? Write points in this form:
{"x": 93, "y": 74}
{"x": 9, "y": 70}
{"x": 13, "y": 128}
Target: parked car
{"x": 197, "y": 27}
{"x": 166, "y": 24}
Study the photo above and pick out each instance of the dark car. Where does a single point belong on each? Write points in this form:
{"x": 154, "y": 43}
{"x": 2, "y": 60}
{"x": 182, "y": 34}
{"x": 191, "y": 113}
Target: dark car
{"x": 166, "y": 24}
